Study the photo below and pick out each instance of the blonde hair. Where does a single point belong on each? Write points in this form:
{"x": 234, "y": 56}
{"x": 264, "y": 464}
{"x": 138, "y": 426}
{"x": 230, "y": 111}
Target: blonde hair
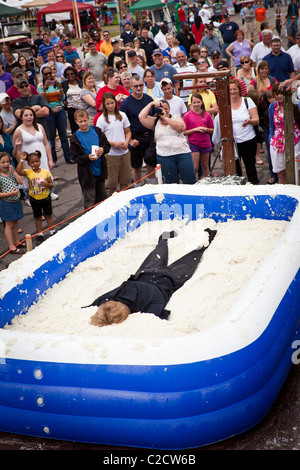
{"x": 259, "y": 82}
{"x": 110, "y": 312}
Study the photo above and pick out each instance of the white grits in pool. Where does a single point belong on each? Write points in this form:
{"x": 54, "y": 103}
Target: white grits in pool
{"x": 226, "y": 266}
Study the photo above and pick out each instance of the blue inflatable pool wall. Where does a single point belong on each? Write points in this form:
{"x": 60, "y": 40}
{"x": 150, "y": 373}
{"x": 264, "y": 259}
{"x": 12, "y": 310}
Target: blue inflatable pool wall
{"x": 162, "y": 406}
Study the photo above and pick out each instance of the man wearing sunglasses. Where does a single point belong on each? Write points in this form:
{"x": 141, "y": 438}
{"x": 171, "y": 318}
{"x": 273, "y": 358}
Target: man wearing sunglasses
{"x": 13, "y": 92}
{"x": 142, "y": 138}
{"x": 36, "y": 102}
{"x": 51, "y": 59}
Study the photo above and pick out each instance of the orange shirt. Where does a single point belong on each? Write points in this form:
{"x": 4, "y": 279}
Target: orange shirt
{"x": 260, "y": 14}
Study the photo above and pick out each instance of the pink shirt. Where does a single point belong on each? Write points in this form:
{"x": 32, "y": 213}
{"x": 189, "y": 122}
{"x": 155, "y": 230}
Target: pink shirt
{"x": 193, "y": 120}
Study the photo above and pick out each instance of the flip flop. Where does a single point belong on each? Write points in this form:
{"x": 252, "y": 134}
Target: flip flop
{"x": 20, "y": 230}
{"x": 259, "y": 162}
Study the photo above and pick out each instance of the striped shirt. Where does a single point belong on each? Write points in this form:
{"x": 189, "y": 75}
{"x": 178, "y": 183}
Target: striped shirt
{"x": 43, "y": 49}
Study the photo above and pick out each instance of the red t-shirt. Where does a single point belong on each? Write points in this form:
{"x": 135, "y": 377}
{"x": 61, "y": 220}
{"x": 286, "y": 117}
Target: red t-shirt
{"x": 260, "y": 14}
{"x": 181, "y": 15}
{"x": 13, "y": 92}
{"x": 105, "y": 89}
{"x": 98, "y": 44}
{"x": 198, "y": 32}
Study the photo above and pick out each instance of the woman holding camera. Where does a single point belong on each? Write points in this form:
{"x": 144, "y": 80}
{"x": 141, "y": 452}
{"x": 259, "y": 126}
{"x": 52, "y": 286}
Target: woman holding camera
{"x": 172, "y": 149}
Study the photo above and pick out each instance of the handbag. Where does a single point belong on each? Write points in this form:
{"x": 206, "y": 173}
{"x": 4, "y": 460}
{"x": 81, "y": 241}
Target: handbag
{"x": 259, "y": 133}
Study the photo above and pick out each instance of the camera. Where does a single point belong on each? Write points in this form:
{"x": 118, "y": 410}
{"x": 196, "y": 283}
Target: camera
{"x": 159, "y": 111}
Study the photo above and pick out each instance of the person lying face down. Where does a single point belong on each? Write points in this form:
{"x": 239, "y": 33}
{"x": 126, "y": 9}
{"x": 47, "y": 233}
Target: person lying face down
{"x": 151, "y": 287}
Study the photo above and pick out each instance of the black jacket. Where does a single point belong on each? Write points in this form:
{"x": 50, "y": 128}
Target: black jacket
{"x": 148, "y": 292}
{"x": 84, "y": 171}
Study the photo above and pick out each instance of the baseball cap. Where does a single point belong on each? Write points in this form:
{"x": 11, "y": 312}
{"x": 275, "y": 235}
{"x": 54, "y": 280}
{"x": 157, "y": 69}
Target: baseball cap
{"x": 209, "y": 26}
{"x": 165, "y": 81}
{"x": 21, "y": 80}
{"x": 16, "y": 71}
{"x": 226, "y": 15}
{"x": 222, "y": 63}
{"x": 216, "y": 53}
{"x": 131, "y": 53}
{"x": 113, "y": 41}
{"x": 3, "y": 97}
{"x": 157, "y": 52}
{"x": 67, "y": 43}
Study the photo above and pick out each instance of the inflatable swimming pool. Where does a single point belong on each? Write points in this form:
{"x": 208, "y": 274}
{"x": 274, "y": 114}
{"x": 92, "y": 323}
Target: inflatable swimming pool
{"x": 182, "y": 393}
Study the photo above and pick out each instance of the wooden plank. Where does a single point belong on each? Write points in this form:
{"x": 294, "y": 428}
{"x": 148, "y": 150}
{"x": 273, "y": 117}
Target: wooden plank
{"x": 222, "y": 82}
{"x": 289, "y": 137}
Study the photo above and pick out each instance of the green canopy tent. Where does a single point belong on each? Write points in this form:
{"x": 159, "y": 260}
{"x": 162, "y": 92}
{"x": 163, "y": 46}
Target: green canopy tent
{"x": 149, "y": 5}
{"x": 155, "y": 7}
{"x": 6, "y": 11}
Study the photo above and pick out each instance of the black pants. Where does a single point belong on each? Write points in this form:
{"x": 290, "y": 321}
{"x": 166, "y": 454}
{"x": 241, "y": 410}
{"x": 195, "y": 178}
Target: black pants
{"x": 247, "y": 151}
{"x": 180, "y": 270}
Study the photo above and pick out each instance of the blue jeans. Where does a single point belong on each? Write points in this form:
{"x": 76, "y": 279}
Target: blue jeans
{"x": 174, "y": 166}
{"x": 58, "y": 121}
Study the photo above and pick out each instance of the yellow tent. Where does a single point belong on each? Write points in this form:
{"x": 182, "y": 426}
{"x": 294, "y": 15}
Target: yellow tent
{"x": 38, "y": 3}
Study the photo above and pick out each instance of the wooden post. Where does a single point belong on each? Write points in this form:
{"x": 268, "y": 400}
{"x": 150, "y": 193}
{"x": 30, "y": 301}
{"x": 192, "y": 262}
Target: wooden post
{"x": 227, "y": 143}
{"x": 226, "y": 131}
{"x": 28, "y": 242}
{"x": 289, "y": 137}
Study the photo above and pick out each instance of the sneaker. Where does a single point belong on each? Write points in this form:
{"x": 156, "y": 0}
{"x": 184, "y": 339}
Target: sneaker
{"x": 52, "y": 232}
{"x": 39, "y": 239}
{"x": 27, "y": 202}
{"x": 54, "y": 196}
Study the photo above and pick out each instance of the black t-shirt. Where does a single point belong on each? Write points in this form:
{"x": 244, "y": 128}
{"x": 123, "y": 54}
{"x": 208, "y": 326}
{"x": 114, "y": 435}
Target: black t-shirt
{"x": 132, "y": 108}
{"x": 110, "y": 60}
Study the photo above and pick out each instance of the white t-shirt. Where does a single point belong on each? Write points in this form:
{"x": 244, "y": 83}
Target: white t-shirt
{"x": 8, "y": 118}
{"x": 114, "y": 131}
{"x": 240, "y": 133}
{"x": 177, "y": 106}
{"x": 260, "y": 50}
{"x": 294, "y": 52}
{"x": 137, "y": 70}
{"x": 187, "y": 68}
{"x": 205, "y": 15}
{"x": 168, "y": 141}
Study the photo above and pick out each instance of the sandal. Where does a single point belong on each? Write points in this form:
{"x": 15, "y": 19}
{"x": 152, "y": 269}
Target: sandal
{"x": 17, "y": 251}
{"x": 259, "y": 162}
{"x": 271, "y": 181}
{"x": 20, "y": 230}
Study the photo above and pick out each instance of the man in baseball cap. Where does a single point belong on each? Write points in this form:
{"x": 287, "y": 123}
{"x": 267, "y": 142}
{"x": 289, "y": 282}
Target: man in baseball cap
{"x": 13, "y": 92}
